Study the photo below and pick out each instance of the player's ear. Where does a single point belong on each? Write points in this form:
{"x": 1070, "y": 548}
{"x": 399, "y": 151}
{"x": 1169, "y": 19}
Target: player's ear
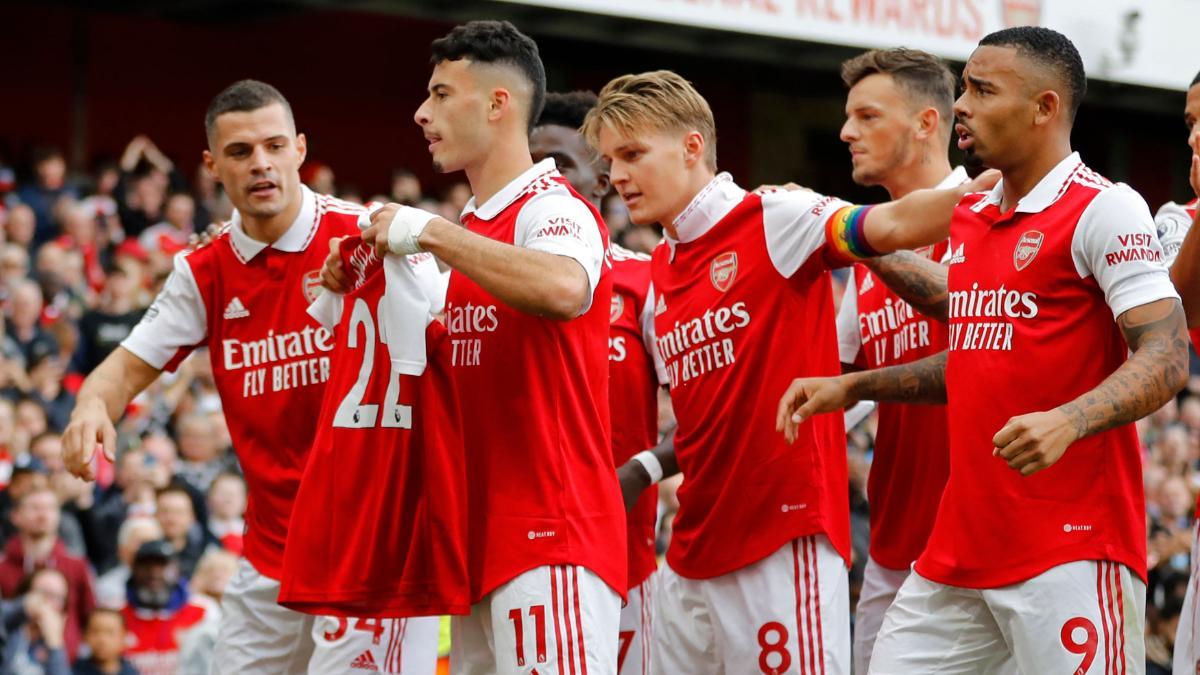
{"x": 301, "y": 147}
{"x": 928, "y": 121}
{"x": 603, "y": 184}
{"x": 210, "y": 165}
{"x": 500, "y": 100}
{"x": 1049, "y": 106}
{"x": 693, "y": 148}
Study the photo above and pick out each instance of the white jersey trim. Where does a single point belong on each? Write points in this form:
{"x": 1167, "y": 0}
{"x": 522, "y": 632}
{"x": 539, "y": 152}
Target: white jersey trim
{"x": 557, "y": 222}
{"x": 177, "y": 319}
{"x": 794, "y": 223}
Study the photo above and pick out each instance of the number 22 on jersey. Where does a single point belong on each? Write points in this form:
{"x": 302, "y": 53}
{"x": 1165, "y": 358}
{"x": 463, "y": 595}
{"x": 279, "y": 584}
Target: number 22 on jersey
{"x": 352, "y": 412}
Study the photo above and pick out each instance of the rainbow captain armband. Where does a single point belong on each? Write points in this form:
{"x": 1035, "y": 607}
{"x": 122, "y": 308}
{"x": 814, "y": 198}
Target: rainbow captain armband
{"x": 845, "y": 233}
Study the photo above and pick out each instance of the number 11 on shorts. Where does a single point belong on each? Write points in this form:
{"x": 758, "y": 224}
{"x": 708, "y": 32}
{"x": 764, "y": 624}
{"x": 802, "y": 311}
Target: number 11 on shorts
{"x": 538, "y": 614}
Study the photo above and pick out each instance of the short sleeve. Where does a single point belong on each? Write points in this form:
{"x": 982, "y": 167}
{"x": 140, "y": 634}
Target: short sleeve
{"x": 1172, "y": 223}
{"x": 795, "y": 226}
{"x": 650, "y": 338}
{"x": 174, "y": 324}
{"x": 405, "y": 311}
{"x": 560, "y": 223}
{"x": 327, "y": 308}
{"x": 849, "y": 338}
{"x": 1116, "y": 243}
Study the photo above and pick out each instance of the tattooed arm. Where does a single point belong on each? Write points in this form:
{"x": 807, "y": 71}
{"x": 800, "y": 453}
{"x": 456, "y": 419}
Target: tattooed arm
{"x": 1157, "y": 370}
{"x": 920, "y": 281}
{"x": 921, "y": 381}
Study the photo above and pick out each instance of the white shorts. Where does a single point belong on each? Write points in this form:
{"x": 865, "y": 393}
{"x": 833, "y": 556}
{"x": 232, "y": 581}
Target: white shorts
{"x": 789, "y": 612}
{"x": 552, "y": 619}
{"x": 399, "y": 646}
{"x": 637, "y": 619}
{"x": 1187, "y": 634}
{"x": 257, "y": 635}
{"x": 1084, "y": 617}
{"x": 879, "y": 587}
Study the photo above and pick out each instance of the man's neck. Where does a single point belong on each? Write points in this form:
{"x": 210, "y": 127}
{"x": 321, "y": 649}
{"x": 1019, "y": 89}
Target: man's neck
{"x": 696, "y": 182}
{"x": 1019, "y": 180}
{"x": 505, "y": 160}
{"x": 269, "y": 230}
{"x": 928, "y": 171}
{"x": 38, "y": 548}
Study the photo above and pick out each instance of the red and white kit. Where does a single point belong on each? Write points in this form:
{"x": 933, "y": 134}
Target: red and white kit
{"x": 756, "y": 575}
{"x": 544, "y": 505}
{"x": 633, "y": 397}
{"x": 246, "y": 301}
{"x": 877, "y": 329}
{"x": 1173, "y": 221}
{"x": 1058, "y": 582}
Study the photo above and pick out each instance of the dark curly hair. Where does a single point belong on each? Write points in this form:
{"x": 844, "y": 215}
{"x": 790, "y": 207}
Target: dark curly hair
{"x": 567, "y": 109}
{"x": 1048, "y": 48}
{"x": 496, "y": 42}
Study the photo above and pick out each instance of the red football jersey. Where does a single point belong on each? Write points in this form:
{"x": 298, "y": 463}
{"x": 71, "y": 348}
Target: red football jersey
{"x": 379, "y": 526}
{"x": 877, "y": 329}
{"x": 542, "y": 487}
{"x": 633, "y": 393}
{"x": 246, "y": 301}
{"x": 153, "y": 638}
{"x": 1033, "y": 296}
{"x": 747, "y": 283}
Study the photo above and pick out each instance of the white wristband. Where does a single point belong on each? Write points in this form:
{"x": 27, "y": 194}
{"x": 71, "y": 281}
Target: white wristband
{"x": 653, "y": 467}
{"x": 406, "y": 228}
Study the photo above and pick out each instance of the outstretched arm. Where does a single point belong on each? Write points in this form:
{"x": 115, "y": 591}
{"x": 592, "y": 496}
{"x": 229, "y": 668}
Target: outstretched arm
{"x": 918, "y": 280}
{"x": 922, "y": 381}
{"x": 102, "y": 398}
{"x": 919, "y": 218}
{"x": 1157, "y": 369}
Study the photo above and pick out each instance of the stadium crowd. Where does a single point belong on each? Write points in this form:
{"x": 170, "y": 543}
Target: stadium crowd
{"x": 91, "y": 573}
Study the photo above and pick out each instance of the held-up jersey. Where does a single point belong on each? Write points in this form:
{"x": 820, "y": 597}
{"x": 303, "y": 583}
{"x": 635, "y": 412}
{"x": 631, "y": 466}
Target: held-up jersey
{"x": 1033, "y": 297}
{"x": 633, "y": 393}
{"x": 247, "y": 302}
{"x": 379, "y": 525}
{"x": 534, "y": 394}
{"x": 743, "y": 305}
{"x": 877, "y": 329}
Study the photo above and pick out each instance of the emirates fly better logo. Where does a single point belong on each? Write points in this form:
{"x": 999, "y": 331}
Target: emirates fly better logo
{"x": 1027, "y": 249}
{"x": 723, "y": 271}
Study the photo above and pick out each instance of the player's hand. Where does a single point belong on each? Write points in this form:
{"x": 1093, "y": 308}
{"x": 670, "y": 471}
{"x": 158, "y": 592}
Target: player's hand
{"x": 634, "y": 481}
{"x": 1194, "y": 175}
{"x": 786, "y": 187}
{"x": 333, "y": 277}
{"x": 810, "y": 396}
{"x": 983, "y": 182}
{"x": 89, "y": 427}
{"x": 1030, "y": 443}
{"x": 397, "y": 229}
{"x": 203, "y": 237}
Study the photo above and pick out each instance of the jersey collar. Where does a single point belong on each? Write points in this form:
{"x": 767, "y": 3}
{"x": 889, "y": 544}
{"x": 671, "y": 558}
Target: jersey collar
{"x": 1049, "y": 189}
{"x": 509, "y": 193}
{"x": 294, "y": 240}
{"x": 957, "y": 177}
{"x": 706, "y": 209}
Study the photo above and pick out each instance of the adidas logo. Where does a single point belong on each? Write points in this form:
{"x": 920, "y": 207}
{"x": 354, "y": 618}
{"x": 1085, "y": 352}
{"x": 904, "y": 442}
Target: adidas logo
{"x": 364, "y": 662}
{"x": 661, "y": 307}
{"x": 867, "y": 284}
{"x": 236, "y": 310}
{"x": 957, "y": 257}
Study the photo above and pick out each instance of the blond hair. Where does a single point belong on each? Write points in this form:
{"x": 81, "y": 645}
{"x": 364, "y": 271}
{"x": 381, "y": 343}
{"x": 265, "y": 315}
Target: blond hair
{"x": 656, "y": 101}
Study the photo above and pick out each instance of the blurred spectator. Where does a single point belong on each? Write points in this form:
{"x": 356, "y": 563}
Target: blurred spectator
{"x": 37, "y": 545}
{"x": 226, "y": 508}
{"x": 130, "y": 495}
{"x": 146, "y": 177}
{"x": 102, "y": 329}
{"x": 167, "y": 627}
{"x": 202, "y": 456}
{"x": 179, "y": 223}
{"x": 36, "y": 638}
{"x": 25, "y": 326}
{"x": 14, "y": 268}
{"x": 111, "y": 587}
{"x": 213, "y": 572}
{"x": 105, "y": 637}
{"x": 457, "y": 196}
{"x": 406, "y": 187}
{"x": 46, "y": 387}
{"x": 42, "y": 195}
{"x": 318, "y": 177}
{"x": 177, "y": 515}
{"x": 73, "y": 494}
{"x": 81, "y": 235}
{"x": 20, "y": 226}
